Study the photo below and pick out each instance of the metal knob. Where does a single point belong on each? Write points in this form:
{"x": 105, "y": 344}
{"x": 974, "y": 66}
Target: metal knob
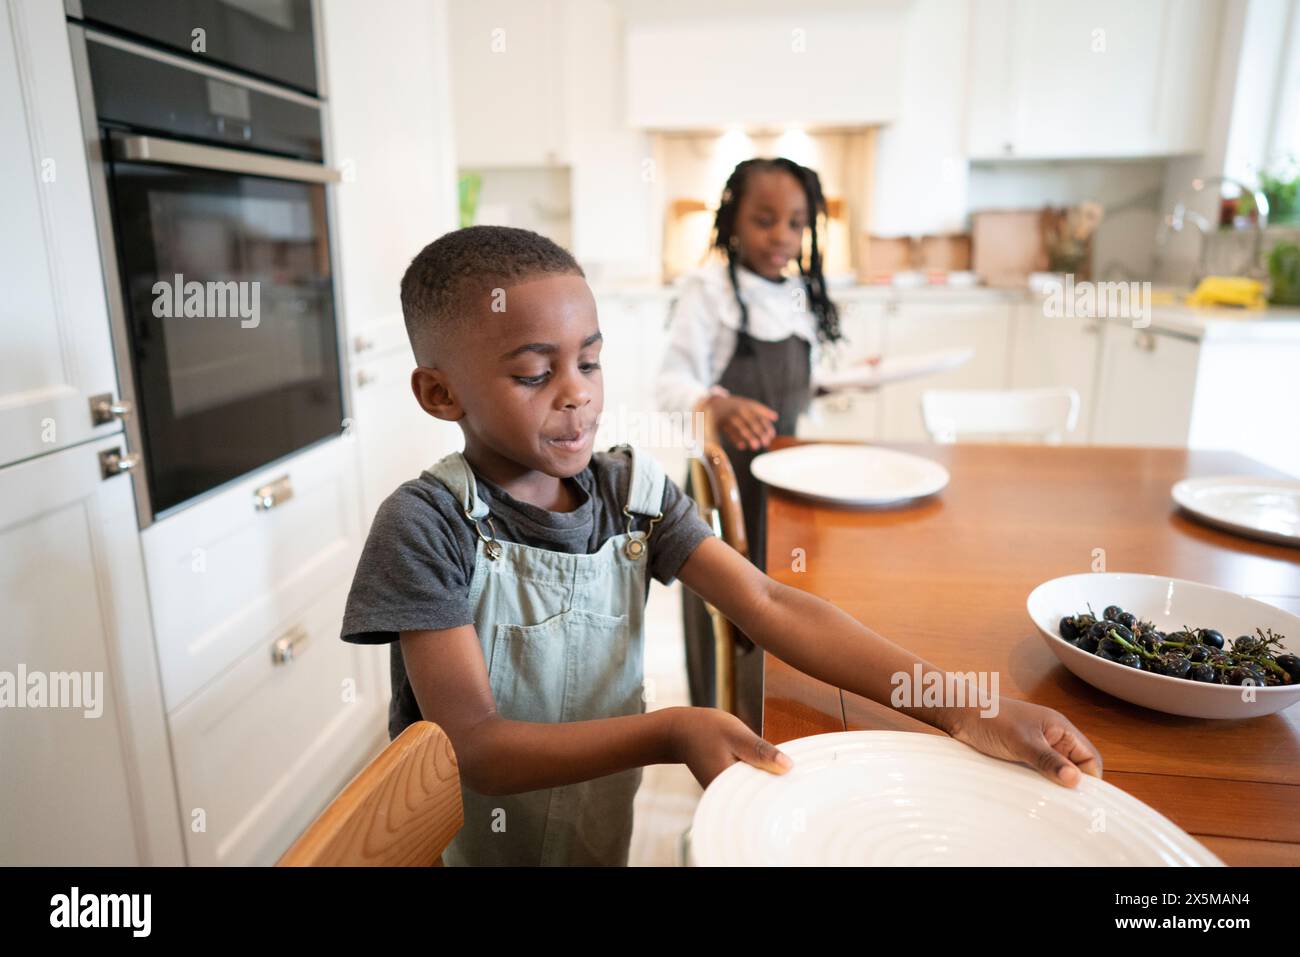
{"x": 365, "y": 378}
{"x": 363, "y": 344}
{"x": 113, "y": 462}
{"x": 285, "y": 648}
{"x": 104, "y": 408}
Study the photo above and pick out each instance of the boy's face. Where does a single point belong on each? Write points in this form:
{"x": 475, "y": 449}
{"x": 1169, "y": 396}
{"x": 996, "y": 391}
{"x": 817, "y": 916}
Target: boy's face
{"x": 770, "y": 221}
{"x": 524, "y": 382}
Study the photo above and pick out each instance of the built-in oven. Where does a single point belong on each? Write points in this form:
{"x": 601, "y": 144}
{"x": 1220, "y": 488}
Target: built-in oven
{"x": 270, "y": 39}
{"x": 212, "y": 205}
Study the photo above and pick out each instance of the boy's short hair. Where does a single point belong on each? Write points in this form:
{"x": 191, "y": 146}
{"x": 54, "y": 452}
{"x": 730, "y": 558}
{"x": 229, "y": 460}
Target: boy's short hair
{"x": 454, "y": 275}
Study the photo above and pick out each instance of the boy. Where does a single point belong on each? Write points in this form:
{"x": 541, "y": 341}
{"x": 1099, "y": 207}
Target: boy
{"x": 511, "y": 579}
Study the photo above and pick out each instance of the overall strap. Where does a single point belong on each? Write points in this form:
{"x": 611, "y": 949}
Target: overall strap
{"x": 646, "y": 490}
{"x": 454, "y": 472}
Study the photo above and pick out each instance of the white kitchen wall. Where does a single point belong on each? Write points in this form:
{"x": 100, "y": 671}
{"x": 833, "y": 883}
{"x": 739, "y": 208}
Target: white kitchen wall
{"x": 1130, "y": 190}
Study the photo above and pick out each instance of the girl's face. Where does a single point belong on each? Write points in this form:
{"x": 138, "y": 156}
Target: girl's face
{"x": 770, "y": 221}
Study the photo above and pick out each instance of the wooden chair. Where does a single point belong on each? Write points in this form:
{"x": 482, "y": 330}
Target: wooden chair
{"x": 716, "y": 494}
{"x": 402, "y": 810}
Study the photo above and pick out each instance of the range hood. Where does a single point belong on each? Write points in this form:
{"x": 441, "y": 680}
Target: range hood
{"x": 756, "y": 64}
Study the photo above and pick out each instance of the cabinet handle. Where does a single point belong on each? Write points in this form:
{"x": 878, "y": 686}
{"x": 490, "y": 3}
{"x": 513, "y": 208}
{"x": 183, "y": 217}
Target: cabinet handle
{"x": 113, "y": 462}
{"x": 272, "y": 494}
{"x": 289, "y": 645}
{"x": 1145, "y": 341}
{"x": 365, "y": 378}
{"x": 363, "y": 344}
{"x": 104, "y": 409}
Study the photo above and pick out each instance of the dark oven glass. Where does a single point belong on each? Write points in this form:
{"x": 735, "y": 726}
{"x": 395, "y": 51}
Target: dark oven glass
{"x": 268, "y": 38}
{"x": 254, "y": 376}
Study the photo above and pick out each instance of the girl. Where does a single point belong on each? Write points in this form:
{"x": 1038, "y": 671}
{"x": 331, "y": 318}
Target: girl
{"x": 744, "y": 338}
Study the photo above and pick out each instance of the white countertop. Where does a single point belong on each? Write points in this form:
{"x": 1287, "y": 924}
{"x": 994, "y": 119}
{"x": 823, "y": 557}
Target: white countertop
{"x": 1222, "y": 323}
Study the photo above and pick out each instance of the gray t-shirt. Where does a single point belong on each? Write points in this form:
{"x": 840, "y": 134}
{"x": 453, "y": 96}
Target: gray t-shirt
{"x": 415, "y": 569}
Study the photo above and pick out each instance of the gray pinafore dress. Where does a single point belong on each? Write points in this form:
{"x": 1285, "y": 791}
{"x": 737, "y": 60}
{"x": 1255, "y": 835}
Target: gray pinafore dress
{"x": 778, "y": 374}
{"x": 562, "y": 636}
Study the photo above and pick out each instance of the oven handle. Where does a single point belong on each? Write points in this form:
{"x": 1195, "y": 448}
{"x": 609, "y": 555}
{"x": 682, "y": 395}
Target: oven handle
{"x": 154, "y": 149}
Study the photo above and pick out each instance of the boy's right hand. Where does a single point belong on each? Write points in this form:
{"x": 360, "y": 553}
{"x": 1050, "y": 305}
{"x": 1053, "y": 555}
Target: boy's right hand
{"x": 746, "y": 423}
{"x": 709, "y": 740}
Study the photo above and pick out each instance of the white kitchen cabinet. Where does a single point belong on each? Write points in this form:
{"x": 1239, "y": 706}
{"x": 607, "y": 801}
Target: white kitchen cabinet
{"x": 395, "y": 439}
{"x": 56, "y": 349}
{"x": 227, "y": 571}
{"x": 849, "y": 416}
{"x": 916, "y": 326}
{"x": 634, "y": 324}
{"x": 263, "y": 748}
{"x": 398, "y": 194}
{"x": 1057, "y": 351}
{"x": 1145, "y": 387}
{"x": 1056, "y": 79}
{"x": 76, "y": 789}
{"x": 508, "y": 60}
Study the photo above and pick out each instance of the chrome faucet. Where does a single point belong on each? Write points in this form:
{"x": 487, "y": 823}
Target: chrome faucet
{"x": 1181, "y": 215}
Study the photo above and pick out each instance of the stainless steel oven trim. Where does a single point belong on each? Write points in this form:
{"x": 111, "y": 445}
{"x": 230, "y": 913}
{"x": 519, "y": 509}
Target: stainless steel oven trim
{"x": 108, "y": 262}
{"x": 227, "y": 76}
{"x": 332, "y": 215}
{"x": 78, "y": 36}
{"x": 156, "y": 149}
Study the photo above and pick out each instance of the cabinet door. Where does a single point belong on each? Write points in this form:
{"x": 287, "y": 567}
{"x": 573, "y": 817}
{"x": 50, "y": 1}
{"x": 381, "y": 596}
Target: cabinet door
{"x": 507, "y": 59}
{"x": 916, "y": 327}
{"x": 396, "y": 440}
{"x": 87, "y": 785}
{"x": 1146, "y": 386}
{"x": 399, "y": 182}
{"x": 55, "y": 344}
{"x": 266, "y": 745}
{"x": 1058, "y": 79}
{"x": 1088, "y": 77}
{"x": 1051, "y": 351}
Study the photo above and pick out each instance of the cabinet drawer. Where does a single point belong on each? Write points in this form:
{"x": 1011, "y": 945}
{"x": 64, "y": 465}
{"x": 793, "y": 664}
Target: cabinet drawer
{"x": 259, "y": 751}
{"x": 224, "y": 573}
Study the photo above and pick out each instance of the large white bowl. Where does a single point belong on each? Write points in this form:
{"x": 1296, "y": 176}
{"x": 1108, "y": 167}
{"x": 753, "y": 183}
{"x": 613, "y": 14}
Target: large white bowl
{"x": 1171, "y": 604}
{"x": 873, "y": 798}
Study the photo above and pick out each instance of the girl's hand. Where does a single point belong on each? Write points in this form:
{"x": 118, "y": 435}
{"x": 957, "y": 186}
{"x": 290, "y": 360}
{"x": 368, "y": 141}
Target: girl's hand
{"x": 745, "y": 422}
{"x": 1031, "y": 734}
{"x": 709, "y": 740}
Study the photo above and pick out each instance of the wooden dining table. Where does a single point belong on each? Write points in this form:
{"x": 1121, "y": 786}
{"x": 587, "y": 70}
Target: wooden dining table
{"x": 947, "y": 578}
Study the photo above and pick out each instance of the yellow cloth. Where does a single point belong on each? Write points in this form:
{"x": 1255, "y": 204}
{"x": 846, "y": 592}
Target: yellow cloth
{"x": 1228, "y": 291}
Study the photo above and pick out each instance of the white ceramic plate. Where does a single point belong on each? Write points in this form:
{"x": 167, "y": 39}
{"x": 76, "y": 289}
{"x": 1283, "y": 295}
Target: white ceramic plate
{"x": 850, "y": 474}
{"x": 1171, "y": 604}
{"x": 895, "y": 369}
{"x": 903, "y": 798}
{"x": 1259, "y": 508}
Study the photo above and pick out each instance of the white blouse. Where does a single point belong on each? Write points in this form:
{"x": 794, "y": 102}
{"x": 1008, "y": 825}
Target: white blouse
{"x": 703, "y": 324}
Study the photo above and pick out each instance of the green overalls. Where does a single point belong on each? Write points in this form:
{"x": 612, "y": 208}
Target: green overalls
{"x": 562, "y": 636}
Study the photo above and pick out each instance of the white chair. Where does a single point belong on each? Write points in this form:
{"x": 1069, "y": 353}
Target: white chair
{"x": 1047, "y": 414}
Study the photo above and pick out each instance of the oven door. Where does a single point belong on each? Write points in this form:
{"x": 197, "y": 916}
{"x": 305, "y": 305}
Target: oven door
{"x": 272, "y": 39}
{"x": 225, "y": 265}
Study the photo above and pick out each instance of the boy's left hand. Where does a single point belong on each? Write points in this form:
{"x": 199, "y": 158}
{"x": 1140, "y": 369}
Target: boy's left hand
{"x": 1039, "y": 737}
